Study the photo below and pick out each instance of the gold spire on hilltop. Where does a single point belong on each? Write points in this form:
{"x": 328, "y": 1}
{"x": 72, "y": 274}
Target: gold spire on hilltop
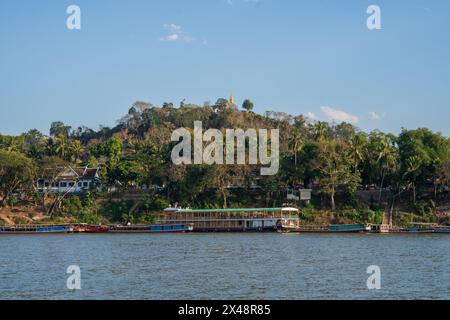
{"x": 232, "y": 100}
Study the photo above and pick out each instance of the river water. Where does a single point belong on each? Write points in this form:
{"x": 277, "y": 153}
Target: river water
{"x": 225, "y": 266}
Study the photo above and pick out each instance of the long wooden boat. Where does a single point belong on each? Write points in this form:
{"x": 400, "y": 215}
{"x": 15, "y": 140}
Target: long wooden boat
{"x": 36, "y": 229}
{"x": 85, "y": 228}
{"x": 232, "y": 219}
{"x": 157, "y": 228}
{"x": 426, "y": 228}
{"x": 345, "y": 228}
{"x": 441, "y": 229}
{"x": 413, "y": 228}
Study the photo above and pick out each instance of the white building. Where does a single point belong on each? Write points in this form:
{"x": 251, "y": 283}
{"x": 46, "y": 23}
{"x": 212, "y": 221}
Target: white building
{"x": 71, "y": 180}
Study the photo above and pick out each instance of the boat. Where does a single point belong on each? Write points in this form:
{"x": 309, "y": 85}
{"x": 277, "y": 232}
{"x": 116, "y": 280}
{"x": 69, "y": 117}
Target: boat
{"x": 343, "y": 228}
{"x": 86, "y": 228}
{"x": 36, "y": 229}
{"x": 412, "y": 228}
{"x": 441, "y": 229}
{"x": 154, "y": 228}
{"x": 233, "y": 219}
{"x": 427, "y": 228}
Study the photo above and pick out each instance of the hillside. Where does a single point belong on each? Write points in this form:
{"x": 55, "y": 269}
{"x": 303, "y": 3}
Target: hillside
{"x": 339, "y": 162}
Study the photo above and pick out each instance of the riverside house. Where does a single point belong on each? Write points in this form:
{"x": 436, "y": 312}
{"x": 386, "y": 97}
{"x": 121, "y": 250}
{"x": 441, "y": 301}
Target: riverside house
{"x": 71, "y": 180}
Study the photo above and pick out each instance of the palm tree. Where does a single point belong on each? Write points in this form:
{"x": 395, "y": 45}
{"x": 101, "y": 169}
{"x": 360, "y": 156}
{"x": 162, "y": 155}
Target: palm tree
{"x": 387, "y": 160}
{"x": 50, "y": 147}
{"x": 413, "y": 165}
{"x": 77, "y": 149}
{"x": 358, "y": 147}
{"x": 62, "y": 146}
{"x": 320, "y": 131}
{"x": 296, "y": 143}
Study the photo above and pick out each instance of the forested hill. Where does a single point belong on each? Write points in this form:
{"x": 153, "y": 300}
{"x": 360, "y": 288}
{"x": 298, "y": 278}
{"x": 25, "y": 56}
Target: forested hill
{"x": 337, "y": 161}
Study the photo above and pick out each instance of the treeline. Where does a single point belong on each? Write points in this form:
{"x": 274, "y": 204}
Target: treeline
{"x": 336, "y": 160}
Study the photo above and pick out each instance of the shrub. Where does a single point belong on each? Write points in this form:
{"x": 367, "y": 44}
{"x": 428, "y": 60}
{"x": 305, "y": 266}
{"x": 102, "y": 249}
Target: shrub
{"x": 115, "y": 210}
{"x": 20, "y": 220}
{"x": 147, "y": 218}
{"x": 13, "y": 200}
{"x": 88, "y": 217}
{"x": 424, "y": 207}
{"x": 374, "y": 216}
{"x": 72, "y": 205}
{"x": 154, "y": 204}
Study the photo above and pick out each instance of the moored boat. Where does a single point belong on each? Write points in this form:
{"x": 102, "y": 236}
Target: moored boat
{"x": 85, "y": 228}
{"x": 35, "y": 229}
{"x": 233, "y": 219}
{"x": 412, "y": 228}
{"x": 156, "y": 228}
{"x": 441, "y": 229}
{"x": 344, "y": 228}
{"x": 428, "y": 228}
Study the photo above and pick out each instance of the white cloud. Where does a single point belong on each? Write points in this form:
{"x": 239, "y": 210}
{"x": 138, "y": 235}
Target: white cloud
{"x": 172, "y": 27}
{"x": 374, "y": 116}
{"x": 310, "y": 115}
{"x": 171, "y": 37}
{"x": 176, "y": 33}
{"x": 339, "y": 115}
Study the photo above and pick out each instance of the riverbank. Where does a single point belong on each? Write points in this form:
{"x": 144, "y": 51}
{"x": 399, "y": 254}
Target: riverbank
{"x": 35, "y": 215}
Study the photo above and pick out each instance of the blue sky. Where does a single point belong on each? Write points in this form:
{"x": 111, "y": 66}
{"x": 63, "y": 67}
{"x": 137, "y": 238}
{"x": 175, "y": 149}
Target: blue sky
{"x": 311, "y": 57}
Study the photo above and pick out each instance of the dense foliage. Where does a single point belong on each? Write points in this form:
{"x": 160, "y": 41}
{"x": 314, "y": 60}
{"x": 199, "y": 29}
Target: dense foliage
{"x": 335, "y": 160}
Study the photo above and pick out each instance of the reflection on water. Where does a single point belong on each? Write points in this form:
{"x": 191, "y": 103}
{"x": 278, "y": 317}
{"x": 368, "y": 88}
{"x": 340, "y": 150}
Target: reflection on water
{"x": 225, "y": 266}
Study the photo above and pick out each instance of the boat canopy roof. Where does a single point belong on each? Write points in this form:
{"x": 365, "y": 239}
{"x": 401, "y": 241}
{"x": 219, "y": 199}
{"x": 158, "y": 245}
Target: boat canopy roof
{"x": 236, "y": 210}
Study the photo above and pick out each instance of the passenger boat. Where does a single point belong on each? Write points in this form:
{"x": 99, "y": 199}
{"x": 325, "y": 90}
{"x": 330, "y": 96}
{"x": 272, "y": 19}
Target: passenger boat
{"x": 35, "y": 229}
{"x": 344, "y": 228}
{"x": 233, "y": 219}
{"x": 157, "y": 228}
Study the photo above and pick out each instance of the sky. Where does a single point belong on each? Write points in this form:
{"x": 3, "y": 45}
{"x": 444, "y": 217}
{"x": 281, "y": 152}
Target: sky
{"x": 314, "y": 57}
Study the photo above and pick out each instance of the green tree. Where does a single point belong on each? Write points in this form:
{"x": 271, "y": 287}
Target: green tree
{"x": 247, "y": 105}
{"x": 358, "y": 148}
{"x": 321, "y": 131}
{"x": 15, "y": 171}
{"x": 63, "y": 146}
{"x": 113, "y": 150}
{"x": 296, "y": 142}
{"x": 76, "y": 150}
{"x": 336, "y": 169}
{"x": 413, "y": 165}
{"x": 51, "y": 147}
{"x": 58, "y": 128}
{"x": 34, "y": 144}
